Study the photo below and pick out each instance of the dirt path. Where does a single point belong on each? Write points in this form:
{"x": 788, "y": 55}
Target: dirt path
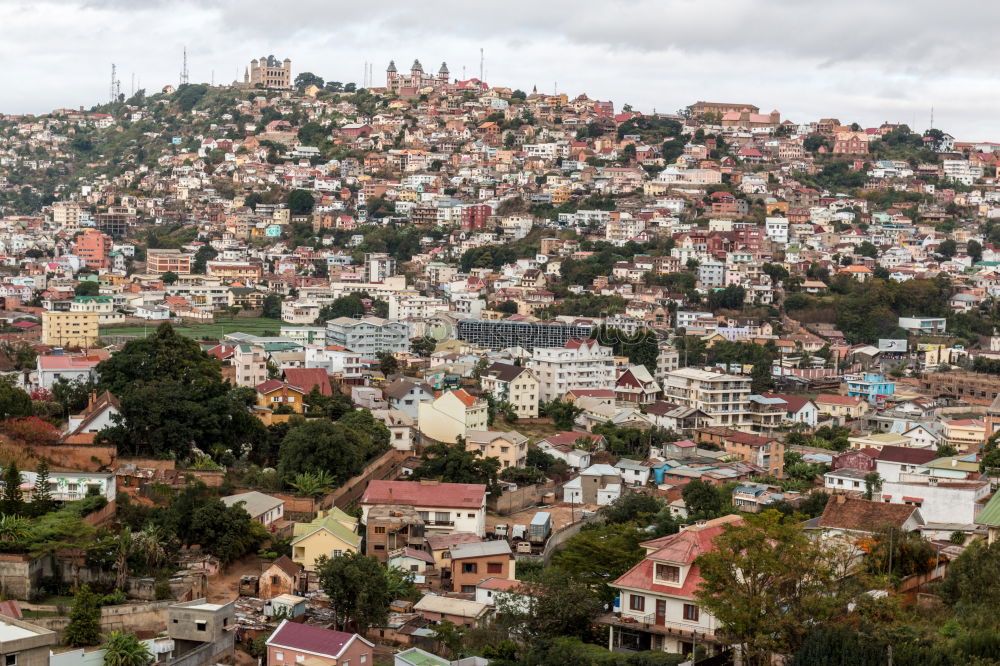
{"x": 225, "y": 586}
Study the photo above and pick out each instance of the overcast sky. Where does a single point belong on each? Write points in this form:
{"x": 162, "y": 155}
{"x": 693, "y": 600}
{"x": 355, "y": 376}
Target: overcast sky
{"x": 858, "y": 61}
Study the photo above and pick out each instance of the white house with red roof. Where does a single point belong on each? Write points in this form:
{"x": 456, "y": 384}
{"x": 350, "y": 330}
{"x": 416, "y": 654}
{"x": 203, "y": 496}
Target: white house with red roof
{"x": 295, "y": 643}
{"x": 444, "y": 507}
{"x": 657, "y": 606}
{"x": 573, "y": 448}
{"x": 798, "y": 409}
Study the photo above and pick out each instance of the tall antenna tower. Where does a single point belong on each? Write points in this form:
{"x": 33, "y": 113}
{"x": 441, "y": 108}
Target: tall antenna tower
{"x": 184, "y": 68}
{"x": 111, "y": 90}
{"x": 482, "y": 63}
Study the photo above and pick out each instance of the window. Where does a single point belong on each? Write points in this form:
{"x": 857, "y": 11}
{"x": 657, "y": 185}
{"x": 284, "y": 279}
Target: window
{"x": 279, "y": 656}
{"x": 468, "y": 589}
{"x": 442, "y": 517}
{"x": 469, "y": 567}
{"x": 337, "y": 553}
{"x": 11, "y": 660}
{"x": 668, "y": 573}
{"x": 201, "y": 625}
{"x": 494, "y": 567}
{"x": 424, "y": 515}
{"x": 470, "y": 515}
{"x": 299, "y": 658}
{"x": 691, "y": 612}
{"x": 637, "y": 602}
{"x": 275, "y": 580}
{"x": 379, "y": 529}
{"x": 379, "y": 546}
{"x": 364, "y": 659}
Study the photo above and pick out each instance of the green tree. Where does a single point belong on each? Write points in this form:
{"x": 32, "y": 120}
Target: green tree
{"x": 357, "y": 588}
{"x": 873, "y": 484}
{"x": 556, "y": 604}
{"x": 204, "y": 254}
{"x": 947, "y": 248}
{"x": 312, "y": 484}
{"x": 41, "y": 496}
{"x": 13, "y": 498}
{"x": 14, "y": 402}
{"x": 563, "y": 414}
{"x": 975, "y": 250}
{"x": 387, "y": 363}
{"x": 173, "y": 397}
{"x": 300, "y": 202}
{"x": 169, "y": 277}
{"x": 84, "y": 626}
{"x": 632, "y": 507}
{"x": 125, "y": 649}
{"x": 768, "y": 584}
{"x": 867, "y": 249}
{"x": 87, "y": 288}
{"x": 272, "y": 306}
{"x": 423, "y": 346}
{"x": 319, "y": 445}
{"x": 599, "y": 555}
{"x": 452, "y": 463}
{"x": 702, "y": 499}
{"x": 349, "y": 305}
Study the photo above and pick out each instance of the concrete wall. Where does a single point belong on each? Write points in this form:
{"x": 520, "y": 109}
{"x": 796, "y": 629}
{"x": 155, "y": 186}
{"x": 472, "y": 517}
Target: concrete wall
{"x": 560, "y": 536}
{"x": 127, "y": 617}
{"x": 19, "y": 574}
{"x": 385, "y": 466}
{"x": 525, "y": 496}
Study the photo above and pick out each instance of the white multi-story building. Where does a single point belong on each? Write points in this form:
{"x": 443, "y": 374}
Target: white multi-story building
{"x": 658, "y": 605}
{"x": 724, "y": 398}
{"x": 368, "y": 335}
{"x": 340, "y": 363}
{"x": 415, "y": 306}
{"x": 712, "y": 273}
{"x": 939, "y": 500}
{"x": 962, "y": 171}
{"x": 444, "y": 507}
{"x": 580, "y": 364}
{"x": 776, "y": 228}
{"x": 379, "y": 266}
{"x": 300, "y": 312}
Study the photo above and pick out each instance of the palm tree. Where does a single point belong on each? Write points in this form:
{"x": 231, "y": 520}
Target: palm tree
{"x": 150, "y": 542}
{"x": 124, "y": 649}
{"x": 123, "y": 550}
{"x": 313, "y": 484}
{"x": 13, "y": 528}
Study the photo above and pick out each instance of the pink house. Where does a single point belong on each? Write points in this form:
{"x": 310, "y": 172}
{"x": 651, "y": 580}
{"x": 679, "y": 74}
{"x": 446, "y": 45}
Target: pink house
{"x": 293, "y": 643}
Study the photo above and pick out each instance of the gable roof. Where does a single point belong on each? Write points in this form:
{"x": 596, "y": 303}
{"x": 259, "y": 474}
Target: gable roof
{"x": 309, "y": 638}
{"x": 255, "y": 503}
{"x": 424, "y": 493}
{"x": 309, "y": 378}
{"x": 331, "y": 522}
{"x": 505, "y": 372}
{"x": 906, "y": 454}
{"x": 861, "y": 515}
{"x": 285, "y": 564}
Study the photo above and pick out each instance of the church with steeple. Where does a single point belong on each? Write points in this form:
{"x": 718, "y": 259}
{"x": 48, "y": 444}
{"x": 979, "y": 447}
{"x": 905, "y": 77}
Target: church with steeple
{"x": 407, "y": 85}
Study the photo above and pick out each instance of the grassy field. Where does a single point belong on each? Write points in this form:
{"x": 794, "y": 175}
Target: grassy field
{"x": 255, "y": 326}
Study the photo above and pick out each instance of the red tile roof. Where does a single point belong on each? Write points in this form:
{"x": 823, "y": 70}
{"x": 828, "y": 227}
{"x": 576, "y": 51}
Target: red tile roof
{"x": 309, "y": 378}
{"x": 907, "y": 455}
{"x": 424, "y": 493}
{"x": 569, "y": 438}
{"x": 683, "y": 548}
{"x": 466, "y": 399}
{"x": 308, "y": 638}
{"x": 274, "y": 385}
{"x": 852, "y": 513}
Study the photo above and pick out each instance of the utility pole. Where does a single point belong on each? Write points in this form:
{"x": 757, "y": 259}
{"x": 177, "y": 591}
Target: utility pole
{"x": 482, "y": 62}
